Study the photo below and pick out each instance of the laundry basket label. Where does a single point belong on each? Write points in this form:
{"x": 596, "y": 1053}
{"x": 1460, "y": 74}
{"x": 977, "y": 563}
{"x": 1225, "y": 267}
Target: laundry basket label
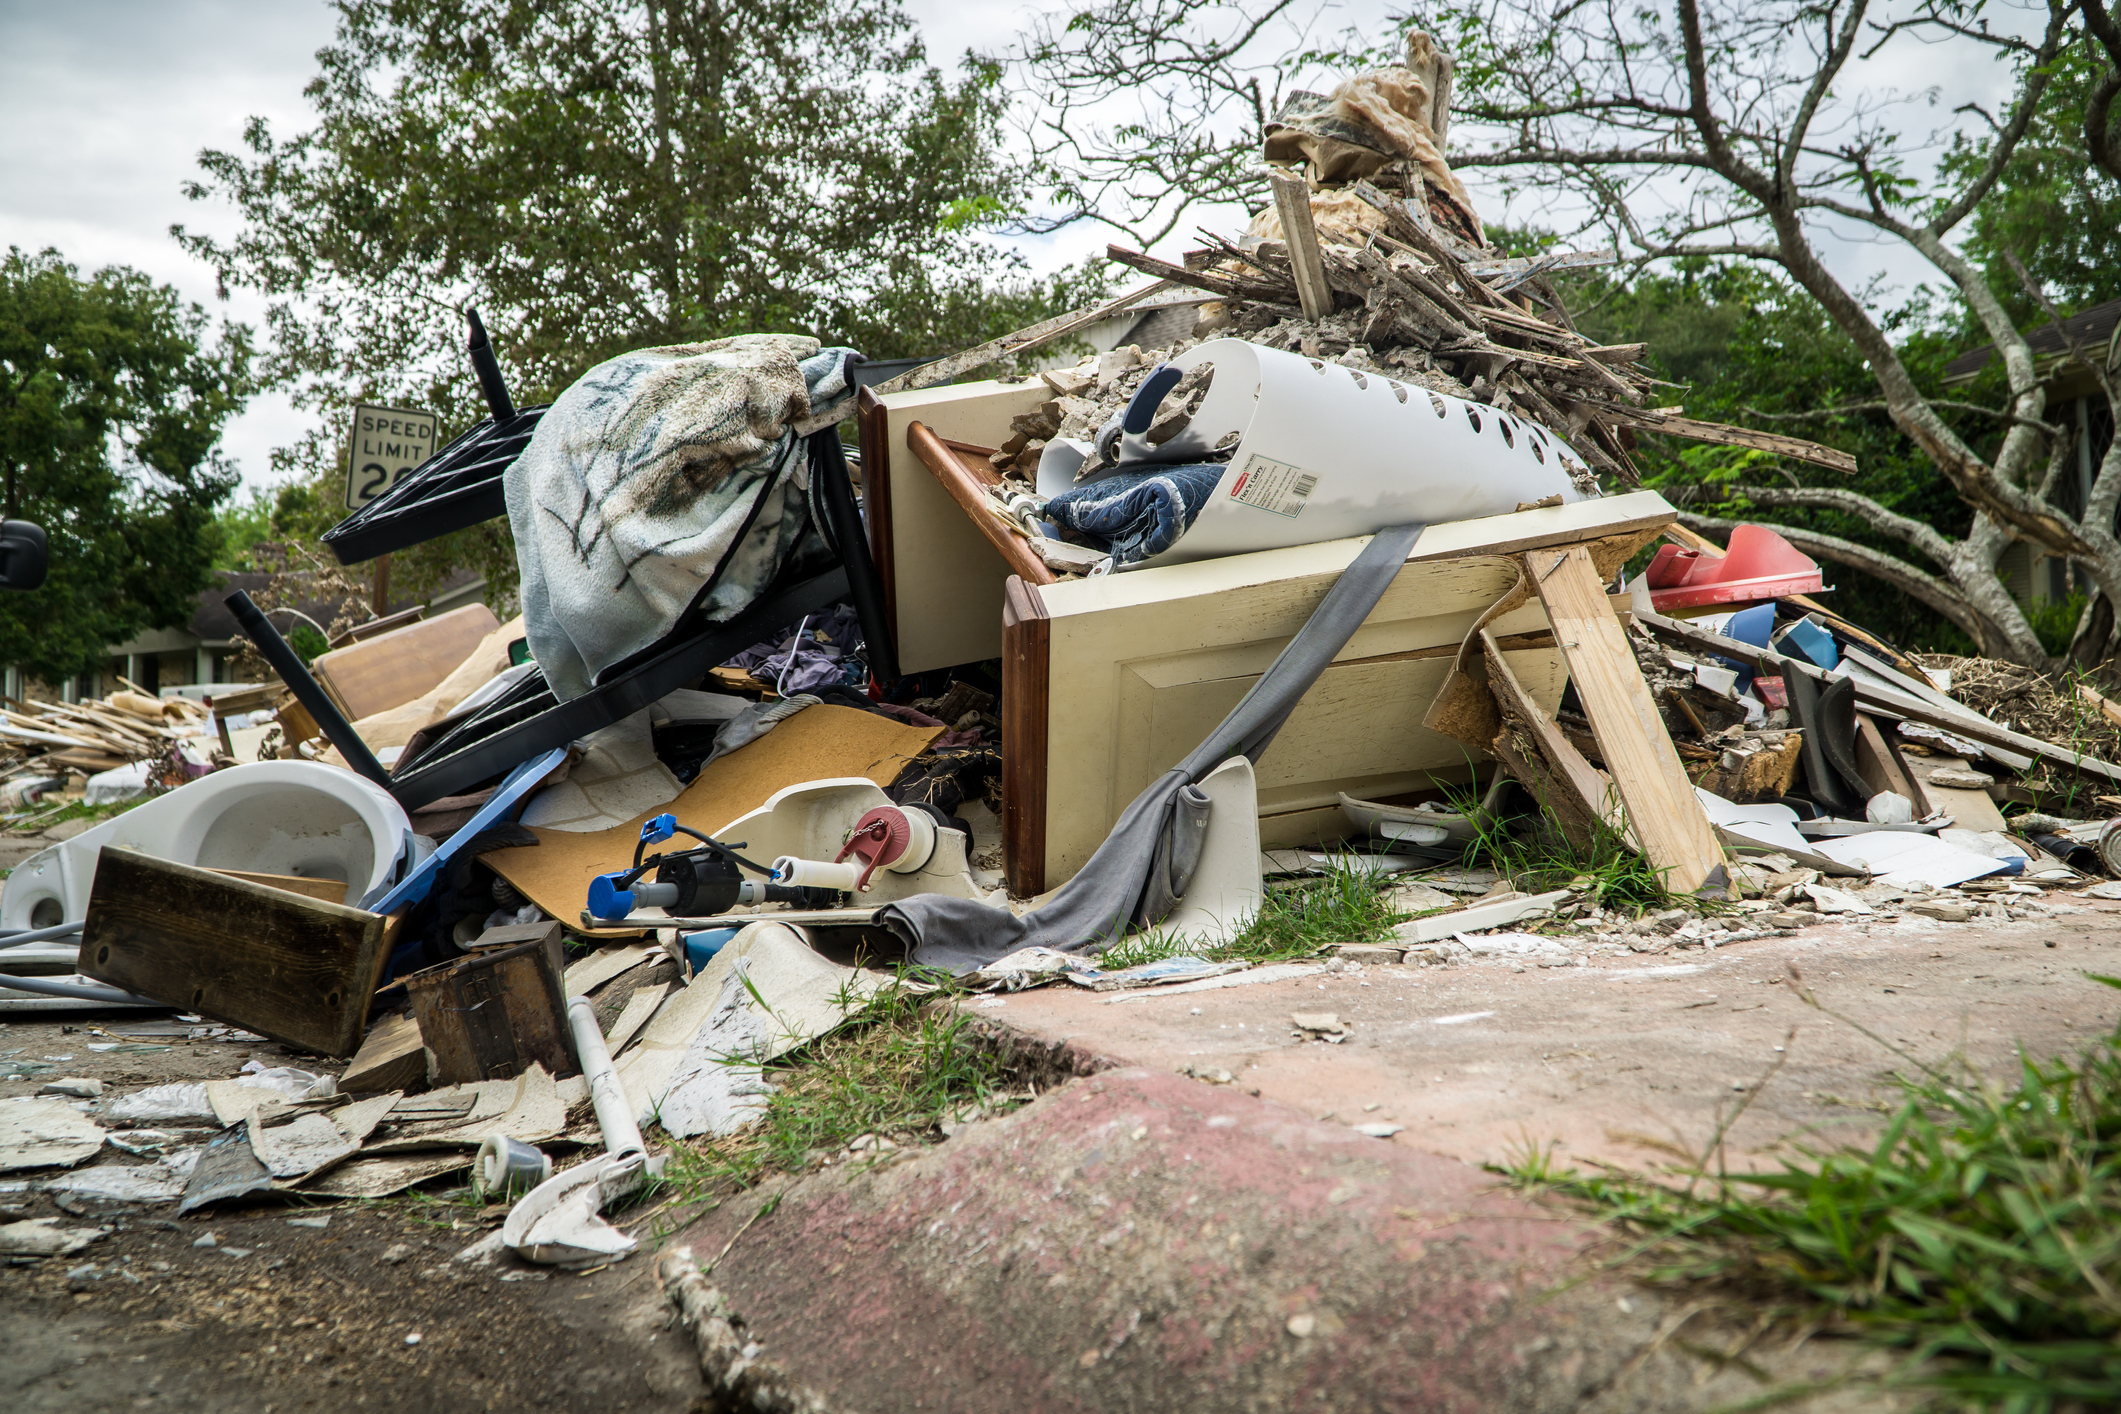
{"x": 1269, "y": 485}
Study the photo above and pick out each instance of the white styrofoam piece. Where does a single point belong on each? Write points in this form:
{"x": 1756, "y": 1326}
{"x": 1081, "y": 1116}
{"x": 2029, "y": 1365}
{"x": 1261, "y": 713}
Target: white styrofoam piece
{"x": 1225, "y": 889}
{"x": 1438, "y": 926}
{"x": 270, "y": 817}
{"x": 1328, "y": 452}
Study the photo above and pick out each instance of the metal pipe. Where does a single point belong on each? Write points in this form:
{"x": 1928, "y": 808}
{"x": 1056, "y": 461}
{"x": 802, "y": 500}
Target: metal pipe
{"x": 84, "y": 994}
{"x": 488, "y": 369}
{"x": 275, "y": 650}
{"x": 38, "y": 935}
{"x": 622, "y": 1132}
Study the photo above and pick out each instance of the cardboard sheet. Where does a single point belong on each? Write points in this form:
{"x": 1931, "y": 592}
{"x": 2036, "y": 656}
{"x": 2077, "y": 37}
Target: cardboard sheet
{"x": 815, "y": 744}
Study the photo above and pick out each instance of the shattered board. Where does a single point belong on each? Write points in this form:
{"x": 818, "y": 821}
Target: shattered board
{"x": 380, "y": 1177}
{"x": 159, "y": 1182}
{"x": 227, "y": 1169}
{"x": 45, "y": 1132}
{"x": 528, "y": 1108}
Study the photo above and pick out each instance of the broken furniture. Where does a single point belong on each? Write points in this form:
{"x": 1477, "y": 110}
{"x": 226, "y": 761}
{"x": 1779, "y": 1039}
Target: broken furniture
{"x": 293, "y": 968}
{"x": 498, "y": 1010}
{"x": 1109, "y": 679}
{"x": 375, "y": 674}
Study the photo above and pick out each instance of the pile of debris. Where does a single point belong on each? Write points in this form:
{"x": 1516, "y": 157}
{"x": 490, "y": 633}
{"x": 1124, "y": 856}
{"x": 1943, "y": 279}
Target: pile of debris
{"x": 69, "y": 751}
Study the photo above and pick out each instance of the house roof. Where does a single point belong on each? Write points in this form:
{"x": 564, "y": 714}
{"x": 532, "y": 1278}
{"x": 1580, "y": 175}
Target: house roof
{"x": 2093, "y": 329}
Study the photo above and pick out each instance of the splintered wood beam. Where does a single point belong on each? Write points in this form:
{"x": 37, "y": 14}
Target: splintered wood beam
{"x": 942, "y": 370}
{"x": 1574, "y": 790}
{"x": 1664, "y": 815}
{"x": 1722, "y": 434}
{"x": 1292, "y": 202}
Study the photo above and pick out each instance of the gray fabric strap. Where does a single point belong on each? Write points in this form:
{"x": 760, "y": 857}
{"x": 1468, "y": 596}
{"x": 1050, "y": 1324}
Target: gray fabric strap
{"x": 1113, "y": 890}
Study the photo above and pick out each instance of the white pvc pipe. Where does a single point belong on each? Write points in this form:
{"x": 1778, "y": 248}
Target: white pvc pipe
{"x": 816, "y": 873}
{"x": 622, "y": 1133}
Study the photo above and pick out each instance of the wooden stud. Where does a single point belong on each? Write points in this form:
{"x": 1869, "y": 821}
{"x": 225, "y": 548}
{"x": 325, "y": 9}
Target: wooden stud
{"x": 1574, "y": 790}
{"x": 391, "y": 1058}
{"x": 1292, "y": 201}
{"x": 1664, "y": 814}
{"x": 1882, "y": 767}
{"x": 872, "y": 420}
{"x": 1026, "y": 701}
{"x": 296, "y": 969}
{"x": 323, "y": 890}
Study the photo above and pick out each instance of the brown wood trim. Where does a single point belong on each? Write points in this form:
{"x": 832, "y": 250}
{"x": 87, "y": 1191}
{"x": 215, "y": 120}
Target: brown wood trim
{"x": 872, "y": 421}
{"x": 1026, "y": 702}
{"x": 955, "y": 469}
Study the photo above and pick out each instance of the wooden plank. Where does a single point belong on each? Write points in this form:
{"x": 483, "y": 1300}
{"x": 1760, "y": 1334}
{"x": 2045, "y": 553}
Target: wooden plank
{"x": 1795, "y": 448}
{"x": 1022, "y": 341}
{"x": 1970, "y": 809}
{"x": 1292, "y": 202}
{"x": 1666, "y": 817}
{"x": 391, "y": 669}
{"x": 966, "y": 487}
{"x": 298, "y": 970}
{"x": 1572, "y": 789}
{"x": 872, "y": 421}
{"x": 1881, "y": 765}
{"x": 1026, "y": 703}
{"x": 391, "y": 1058}
{"x": 322, "y": 890}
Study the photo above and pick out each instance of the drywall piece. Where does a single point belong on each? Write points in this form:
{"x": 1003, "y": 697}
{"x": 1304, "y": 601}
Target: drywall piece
{"x": 601, "y": 966}
{"x": 307, "y": 1144}
{"x": 1663, "y": 815}
{"x": 158, "y": 1182}
{"x": 1437, "y": 927}
{"x": 43, "y": 1237}
{"x": 642, "y": 1005}
{"x": 1902, "y": 859}
{"x": 226, "y": 1168}
{"x": 1325, "y": 453}
{"x": 365, "y": 1177}
{"x": 45, "y": 1132}
{"x": 272, "y": 817}
{"x": 707, "y": 1039}
{"x": 526, "y": 1108}
{"x": 1225, "y": 890}
{"x": 285, "y": 966}
{"x": 818, "y": 742}
{"x": 392, "y": 669}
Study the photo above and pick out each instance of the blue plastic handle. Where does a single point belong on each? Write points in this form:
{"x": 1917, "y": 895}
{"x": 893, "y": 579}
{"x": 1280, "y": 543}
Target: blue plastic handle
{"x": 607, "y": 899}
{"x": 661, "y": 828}
{"x": 1141, "y": 408}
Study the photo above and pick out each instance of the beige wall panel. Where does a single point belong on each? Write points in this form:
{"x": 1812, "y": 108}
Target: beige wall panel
{"x": 948, "y": 579}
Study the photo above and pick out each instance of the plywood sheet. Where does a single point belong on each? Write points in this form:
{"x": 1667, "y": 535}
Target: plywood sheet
{"x": 814, "y": 744}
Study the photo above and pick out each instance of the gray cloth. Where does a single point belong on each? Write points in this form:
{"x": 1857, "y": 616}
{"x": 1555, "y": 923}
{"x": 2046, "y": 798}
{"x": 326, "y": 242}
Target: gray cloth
{"x": 1129, "y": 882}
{"x": 659, "y": 476}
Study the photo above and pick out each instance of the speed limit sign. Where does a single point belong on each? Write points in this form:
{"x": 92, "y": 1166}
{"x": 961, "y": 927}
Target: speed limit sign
{"x": 387, "y": 443}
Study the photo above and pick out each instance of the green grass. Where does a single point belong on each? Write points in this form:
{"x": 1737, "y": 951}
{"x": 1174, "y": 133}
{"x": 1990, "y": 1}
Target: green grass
{"x": 1980, "y": 1234}
{"x": 1543, "y": 859}
{"x": 899, "y": 1069}
{"x": 39, "y": 817}
{"x": 1295, "y": 919}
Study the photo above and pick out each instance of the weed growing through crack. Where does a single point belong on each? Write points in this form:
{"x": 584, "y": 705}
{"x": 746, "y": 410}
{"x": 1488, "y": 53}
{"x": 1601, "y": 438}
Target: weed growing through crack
{"x": 1348, "y": 905}
{"x": 1980, "y": 1234}
{"x": 898, "y": 1070}
{"x": 1544, "y": 858}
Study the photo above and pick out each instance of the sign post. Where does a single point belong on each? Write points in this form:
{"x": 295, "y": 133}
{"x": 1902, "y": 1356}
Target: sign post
{"x": 386, "y": 443}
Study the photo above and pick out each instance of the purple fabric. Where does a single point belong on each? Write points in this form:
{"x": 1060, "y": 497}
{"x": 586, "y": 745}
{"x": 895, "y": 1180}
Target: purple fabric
{"x": 795, "y": 661}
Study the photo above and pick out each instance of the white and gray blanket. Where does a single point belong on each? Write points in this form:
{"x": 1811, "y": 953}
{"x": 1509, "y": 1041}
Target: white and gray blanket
{"x": 636, "y": 492}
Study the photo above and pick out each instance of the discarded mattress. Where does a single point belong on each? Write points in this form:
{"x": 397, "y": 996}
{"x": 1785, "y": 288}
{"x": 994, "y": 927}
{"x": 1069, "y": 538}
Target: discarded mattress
{"x": 1325, "y": 452}
{"x": 270, "y": 817}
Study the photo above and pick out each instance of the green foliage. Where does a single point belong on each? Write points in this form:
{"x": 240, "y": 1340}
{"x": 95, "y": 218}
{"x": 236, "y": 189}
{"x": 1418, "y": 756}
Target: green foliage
{"x": 1747, "y": 347}
{"x": 2055, "y": 211}
{"x": 1348, "y": 905}
{"x": 1541, "y": 858}
{"x": 1981, "y": 1230}
{"x": 598, "y": 177}
{"x": 897, "y": 1070}
{"x": 111, "y": 403}
{"x": 2055, "y": 620}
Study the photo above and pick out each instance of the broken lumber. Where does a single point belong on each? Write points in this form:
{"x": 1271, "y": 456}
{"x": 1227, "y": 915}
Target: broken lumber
{"x": 1292, "y": 202}
{"x": 1666, "y": 817}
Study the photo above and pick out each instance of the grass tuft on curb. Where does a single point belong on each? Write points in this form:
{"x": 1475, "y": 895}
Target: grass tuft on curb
{"x": 1980, "y": 1234}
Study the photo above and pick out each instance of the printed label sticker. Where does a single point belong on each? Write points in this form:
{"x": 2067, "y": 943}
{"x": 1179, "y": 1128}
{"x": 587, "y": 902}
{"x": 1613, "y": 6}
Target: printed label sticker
{"x": 1269, "y": 485}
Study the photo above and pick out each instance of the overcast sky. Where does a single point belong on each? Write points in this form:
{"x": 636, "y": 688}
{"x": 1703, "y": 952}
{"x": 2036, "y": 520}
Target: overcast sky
{"x": 105, "y": 105}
